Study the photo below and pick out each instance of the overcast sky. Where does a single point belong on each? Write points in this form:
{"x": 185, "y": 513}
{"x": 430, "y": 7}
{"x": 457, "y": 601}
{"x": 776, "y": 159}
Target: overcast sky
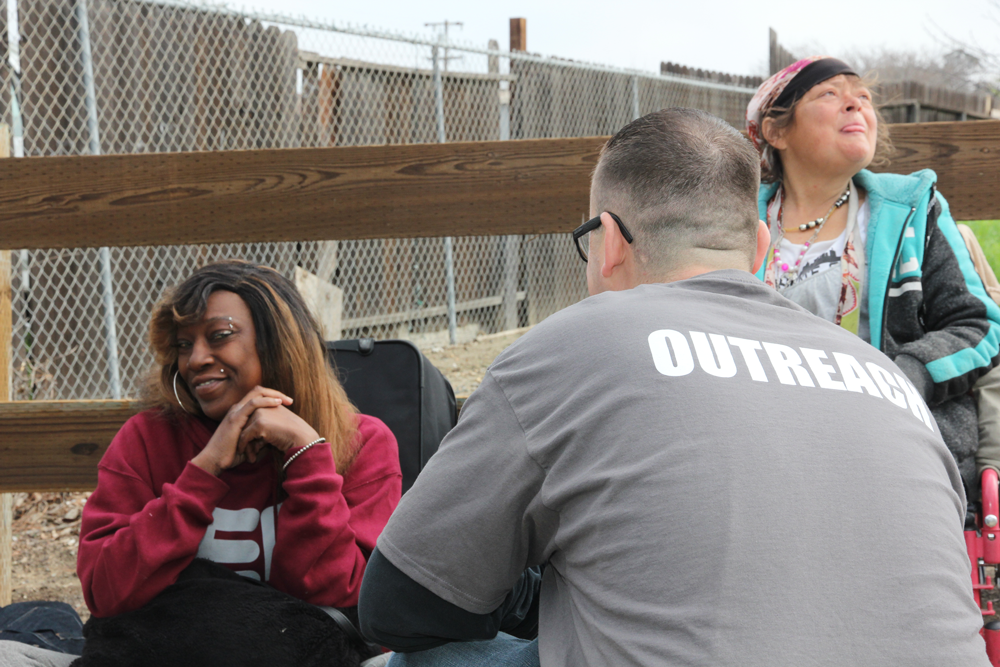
{"x": 723, "y": 35}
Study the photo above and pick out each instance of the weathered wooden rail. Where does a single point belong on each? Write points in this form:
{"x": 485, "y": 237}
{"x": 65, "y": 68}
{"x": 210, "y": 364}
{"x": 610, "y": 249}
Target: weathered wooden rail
{"x": 484, "y": 188}
{"x": 459, "y": 189}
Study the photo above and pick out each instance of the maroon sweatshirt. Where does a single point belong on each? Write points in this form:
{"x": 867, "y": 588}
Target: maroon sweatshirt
{"x": 153, "y": 512}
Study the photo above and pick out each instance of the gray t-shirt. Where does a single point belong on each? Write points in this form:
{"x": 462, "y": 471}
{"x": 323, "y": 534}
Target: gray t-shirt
{"x": 638, "y": 444}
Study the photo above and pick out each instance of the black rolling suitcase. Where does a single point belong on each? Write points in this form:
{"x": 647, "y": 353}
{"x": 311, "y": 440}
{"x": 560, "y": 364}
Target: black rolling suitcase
{"x": 392, "y": 380}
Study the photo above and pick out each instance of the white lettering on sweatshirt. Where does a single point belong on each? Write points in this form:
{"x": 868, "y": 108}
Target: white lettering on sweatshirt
{"x": 672, "y": 356}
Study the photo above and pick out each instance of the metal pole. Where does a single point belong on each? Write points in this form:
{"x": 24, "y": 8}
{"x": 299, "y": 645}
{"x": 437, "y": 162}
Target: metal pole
{"x": 23, "y": 257}
{"x": 635, "y": 97}
{"x": 504, "y": 111}
{"x": 438, "y": 96}
{"x": 512, "y": 242}
{"x": 14, "y": 59}
{"x": 449, "y": 259}
{"x": 104, "y": 254}
{"x": 90, "y": 95}
{"x": 6, "y": 337}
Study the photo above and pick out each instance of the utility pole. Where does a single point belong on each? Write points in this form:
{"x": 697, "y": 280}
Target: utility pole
{"x": 444, "y": 25}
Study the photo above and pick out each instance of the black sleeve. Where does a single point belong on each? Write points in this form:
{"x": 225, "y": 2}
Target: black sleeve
{"x": 956, "y": 322}
{"x": 400, "y": 614}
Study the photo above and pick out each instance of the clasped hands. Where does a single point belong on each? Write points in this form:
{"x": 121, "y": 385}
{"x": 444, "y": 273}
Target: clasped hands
{"x": 260, "y": 419}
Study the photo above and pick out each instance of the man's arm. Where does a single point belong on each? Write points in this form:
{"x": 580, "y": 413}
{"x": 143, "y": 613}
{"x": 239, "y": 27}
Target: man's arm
{"x": 451, "y": 563}
{"x": 400, "y": 614}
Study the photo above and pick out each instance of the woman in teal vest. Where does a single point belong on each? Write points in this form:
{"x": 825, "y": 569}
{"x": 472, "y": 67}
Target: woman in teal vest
{"x": 877, "y": 254}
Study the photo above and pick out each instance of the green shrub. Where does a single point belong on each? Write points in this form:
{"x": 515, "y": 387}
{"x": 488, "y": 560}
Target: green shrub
{"x": 988, "y": 233}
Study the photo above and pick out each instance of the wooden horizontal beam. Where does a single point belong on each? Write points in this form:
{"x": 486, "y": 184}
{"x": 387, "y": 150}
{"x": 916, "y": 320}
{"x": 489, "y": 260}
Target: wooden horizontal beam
{"x": 461, "y": 189}
{"x": 458, "y": 189}
{"x": 421, "y": 313}
{"x": 55, "y": 445}
{"x": 307, "y": 58}
{"x": 966, "y": 157}
{"x": 494, "y": 187}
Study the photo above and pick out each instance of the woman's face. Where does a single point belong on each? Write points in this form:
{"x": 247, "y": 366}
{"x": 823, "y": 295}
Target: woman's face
{"x": 217, "y": 356}
{"x": 834, "y": 130}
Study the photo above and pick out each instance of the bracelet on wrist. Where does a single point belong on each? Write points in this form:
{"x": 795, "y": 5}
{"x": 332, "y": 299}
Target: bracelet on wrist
{"x": 296, "y": 454}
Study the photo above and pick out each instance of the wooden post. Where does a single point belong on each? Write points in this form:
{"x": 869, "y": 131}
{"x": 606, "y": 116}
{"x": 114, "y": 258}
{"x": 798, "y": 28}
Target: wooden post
{"x": 325, "y": 301}
{"x": 6, "y": 332}
{"x": 519, "y": 34}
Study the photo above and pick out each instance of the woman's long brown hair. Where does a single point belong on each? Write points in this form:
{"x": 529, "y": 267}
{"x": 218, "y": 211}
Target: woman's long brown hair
{"x": 289, "y": 344}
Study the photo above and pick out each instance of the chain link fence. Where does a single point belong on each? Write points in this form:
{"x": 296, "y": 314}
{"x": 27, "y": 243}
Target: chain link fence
{"x": 127, "y": 76}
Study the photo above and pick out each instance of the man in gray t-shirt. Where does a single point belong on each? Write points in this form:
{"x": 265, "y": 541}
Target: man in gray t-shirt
{"x": 706, "y": 473}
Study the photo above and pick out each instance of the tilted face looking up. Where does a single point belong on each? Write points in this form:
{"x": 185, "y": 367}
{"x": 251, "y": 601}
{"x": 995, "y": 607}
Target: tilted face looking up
{"x": 217, "y": 355}
{"x": 834, "y": 130}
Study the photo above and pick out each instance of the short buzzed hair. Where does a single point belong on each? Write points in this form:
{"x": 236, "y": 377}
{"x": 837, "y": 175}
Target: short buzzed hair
{"x": 680, "y": 179}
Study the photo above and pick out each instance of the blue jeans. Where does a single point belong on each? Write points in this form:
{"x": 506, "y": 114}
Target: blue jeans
{"x": 504, "y": 651}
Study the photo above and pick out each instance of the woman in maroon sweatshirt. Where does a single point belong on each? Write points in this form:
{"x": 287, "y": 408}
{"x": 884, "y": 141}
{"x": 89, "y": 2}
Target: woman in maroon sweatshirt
{"x": 249, "y": 454}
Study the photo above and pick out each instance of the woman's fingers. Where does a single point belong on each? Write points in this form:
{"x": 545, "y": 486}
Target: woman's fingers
{"x": 260, "y": 392}
{"x": 241, "y": 413}
{"x": 246, "y": 435}
{"x": 281, "y": 428}
{"x": 253, "y": 429}
{"x": 227, "y": 447}
{"x": 267, "y": 393}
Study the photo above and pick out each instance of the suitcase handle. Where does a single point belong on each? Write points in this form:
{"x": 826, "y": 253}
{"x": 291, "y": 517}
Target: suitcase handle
{"x": 363, "y": 346}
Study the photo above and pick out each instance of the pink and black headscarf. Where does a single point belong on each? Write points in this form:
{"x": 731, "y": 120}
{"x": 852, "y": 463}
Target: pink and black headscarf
{"x": 784, "y": 89}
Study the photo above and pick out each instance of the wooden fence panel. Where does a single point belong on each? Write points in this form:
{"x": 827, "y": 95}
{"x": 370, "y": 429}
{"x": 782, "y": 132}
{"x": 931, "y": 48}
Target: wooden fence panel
{"x": 966, "y": 157}
{"x": 55, "y": 445}
{"x": 459, "y": 189}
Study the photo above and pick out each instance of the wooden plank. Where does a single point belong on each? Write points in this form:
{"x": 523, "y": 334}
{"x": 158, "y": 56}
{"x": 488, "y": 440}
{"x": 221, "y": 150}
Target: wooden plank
{"x": 457, "y": 189}
{"x": 55, "y": 445}
{"x": 306, "y": 58}
{"x": 421, "y": 313}
{"x": 6, "y": 548}
{"x": 966, "y": 157}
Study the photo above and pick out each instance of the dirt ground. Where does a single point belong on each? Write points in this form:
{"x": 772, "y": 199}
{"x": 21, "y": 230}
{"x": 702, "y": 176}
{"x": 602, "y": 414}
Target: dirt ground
{"x": 47, "y": 525}
{"x": 465, "y": 365}
{"x": 46, "y": 536}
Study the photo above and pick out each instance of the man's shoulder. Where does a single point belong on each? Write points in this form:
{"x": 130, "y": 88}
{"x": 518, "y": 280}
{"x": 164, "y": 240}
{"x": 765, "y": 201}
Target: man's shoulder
{"x": 607, "y": 330}
{"x": 726, "y": 290}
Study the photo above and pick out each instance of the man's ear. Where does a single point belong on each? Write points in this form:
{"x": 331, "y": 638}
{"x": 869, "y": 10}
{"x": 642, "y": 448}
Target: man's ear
{"x": 772, "y": 135}
{"x": 763, "y": 245}
{"x": 615, "y": 245}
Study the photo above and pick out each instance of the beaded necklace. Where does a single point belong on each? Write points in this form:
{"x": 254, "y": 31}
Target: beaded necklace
{"x": 817, "y": 224}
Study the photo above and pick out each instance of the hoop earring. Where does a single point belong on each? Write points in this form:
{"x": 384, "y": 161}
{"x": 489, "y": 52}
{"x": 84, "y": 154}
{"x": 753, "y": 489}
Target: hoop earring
{"x": 176, "y": 394}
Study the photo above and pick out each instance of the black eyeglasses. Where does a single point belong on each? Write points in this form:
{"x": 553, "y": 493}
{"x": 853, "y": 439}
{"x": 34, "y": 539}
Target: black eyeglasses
{"x": 581, "y": 235}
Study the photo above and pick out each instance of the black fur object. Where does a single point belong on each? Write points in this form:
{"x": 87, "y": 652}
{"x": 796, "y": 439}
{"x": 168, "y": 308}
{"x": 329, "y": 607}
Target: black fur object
{"x": 214, "y": 617}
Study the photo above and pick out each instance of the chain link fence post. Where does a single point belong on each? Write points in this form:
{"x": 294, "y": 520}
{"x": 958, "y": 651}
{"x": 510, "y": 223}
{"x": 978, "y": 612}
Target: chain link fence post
{"x": 104, "y": 254}
{"x": 6, "y": 313}
{"x": 449, "y": 259}
{"x": 512, "y": 242}
{"x": 17, "y": 142}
